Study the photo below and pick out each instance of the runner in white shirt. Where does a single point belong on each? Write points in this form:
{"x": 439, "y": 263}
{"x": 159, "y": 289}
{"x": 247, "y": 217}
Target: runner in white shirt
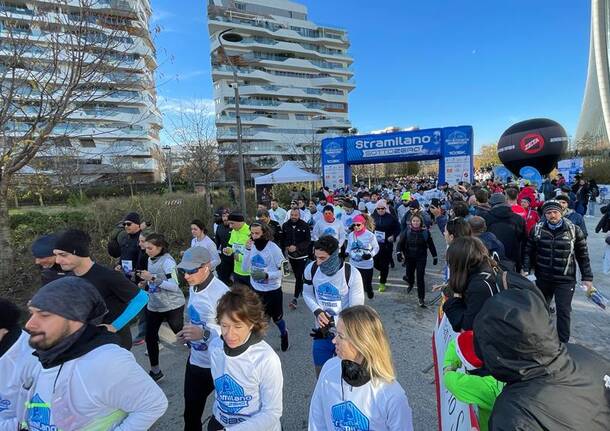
{"x": 201, "y": 239}
{"x": 86, "y": 380}
{"x": 348, "y": 214}
{"x": 357, "y": 389}
{"x": 329, "y": 286}
{"x": 246, "y": 370}
{"x": 263, "y": 260}
{"x": 17, "y": 365}
{"x": 329, "y": 225}
{"x": 277, "y": 213}
{"x": 362, "y": 247}
{"x": 205, "y": 290}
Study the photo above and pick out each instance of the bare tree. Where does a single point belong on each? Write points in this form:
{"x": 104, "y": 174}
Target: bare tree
{"x": 56, "y": 62}
{"x": 194, "y": 137}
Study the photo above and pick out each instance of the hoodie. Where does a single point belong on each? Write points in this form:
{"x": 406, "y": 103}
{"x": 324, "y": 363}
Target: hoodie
{"x": 509, "y": 228}
{"x": 549, "y": 385}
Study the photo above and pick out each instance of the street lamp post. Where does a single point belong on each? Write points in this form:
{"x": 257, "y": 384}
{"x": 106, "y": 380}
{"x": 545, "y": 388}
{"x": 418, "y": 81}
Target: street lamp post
{"x": 168, "y": 166}
{"x": 229, "y": 36}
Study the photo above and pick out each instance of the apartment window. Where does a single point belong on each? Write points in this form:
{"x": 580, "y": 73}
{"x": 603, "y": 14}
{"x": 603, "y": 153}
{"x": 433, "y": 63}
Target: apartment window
{"x": 62, "y": 142}
{"x": 87, "y": 143}
{"x": 240, "y": 6}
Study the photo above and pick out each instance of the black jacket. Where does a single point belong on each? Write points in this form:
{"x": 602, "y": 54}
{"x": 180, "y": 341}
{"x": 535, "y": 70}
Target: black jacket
{"x": 130, "y": 249}
{"x": 549, "y": 386}
{"x": 415, "y": 244}
{"x": 461, "y": 312}
{"x": 604, "y": 222}
{"x": 388, "y": 224}
{"x": 509, "y": 228}
{"x": 277, "y": 232}
{"x": 549, "y": 256}
{"x": 492, "y": 244}
{"x": 299, "y": 235}
{"x": 48, "y": 275}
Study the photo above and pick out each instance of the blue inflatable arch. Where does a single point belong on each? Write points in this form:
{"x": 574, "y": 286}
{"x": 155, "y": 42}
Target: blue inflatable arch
{"x": 451, "y": 146}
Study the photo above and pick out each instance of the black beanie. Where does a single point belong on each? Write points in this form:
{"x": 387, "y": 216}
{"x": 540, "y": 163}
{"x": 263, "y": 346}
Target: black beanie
{"x": 74, "y": 241}
{"x": 133, "y": 217}
{"x": 9, "y": 314}
{"x": 236, "y": 216}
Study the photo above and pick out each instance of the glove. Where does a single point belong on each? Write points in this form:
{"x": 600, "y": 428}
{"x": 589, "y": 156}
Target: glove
{"x": 316, "y": 334}
{"x": 399, "y": 257}
{"x": 258, "y": 275}
{"x": 366, "y": 256}
{"x": 435, "y": 261}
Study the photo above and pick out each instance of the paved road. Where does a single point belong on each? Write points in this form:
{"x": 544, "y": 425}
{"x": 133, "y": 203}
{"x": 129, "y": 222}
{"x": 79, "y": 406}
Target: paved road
{"x": 409, "y": 329}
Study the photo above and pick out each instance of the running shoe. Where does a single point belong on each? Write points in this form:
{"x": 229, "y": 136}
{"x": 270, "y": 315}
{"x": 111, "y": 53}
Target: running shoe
{"x": 138, "y": 341}
{"x": 370, "y": 294}
{"x": 285, "y": 343}
{"x": 156, "y": 376}
{"x": 381, "y": 287}
{"x": 293, "y": 304}
{"x": 422, "y": 304}
{"x": 409, "y": 288}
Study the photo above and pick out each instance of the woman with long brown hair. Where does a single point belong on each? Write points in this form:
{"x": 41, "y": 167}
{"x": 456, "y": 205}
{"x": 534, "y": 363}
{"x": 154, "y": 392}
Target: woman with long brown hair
{"x": 472, "y": 281}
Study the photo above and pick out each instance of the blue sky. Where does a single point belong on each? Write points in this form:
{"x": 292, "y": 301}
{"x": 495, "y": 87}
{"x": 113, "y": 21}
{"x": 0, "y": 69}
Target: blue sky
{"x": 428, "y": 63}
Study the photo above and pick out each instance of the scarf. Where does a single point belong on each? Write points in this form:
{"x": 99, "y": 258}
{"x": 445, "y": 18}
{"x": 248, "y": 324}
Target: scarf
{"x": 331, "y": 265}
{"x": 260, "y": 243}
{"x": 554, "y": 226}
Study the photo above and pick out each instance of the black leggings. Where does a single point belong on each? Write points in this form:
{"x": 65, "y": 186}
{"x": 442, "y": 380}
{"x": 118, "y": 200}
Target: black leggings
{"x": 175, "y": 319}
{"x": 298, "y": 268}
{"x": 419, "y": 265}
{"x": 198, "y": 385}
{"x": 367, "y": 279}
{"x": 382, "y": 262}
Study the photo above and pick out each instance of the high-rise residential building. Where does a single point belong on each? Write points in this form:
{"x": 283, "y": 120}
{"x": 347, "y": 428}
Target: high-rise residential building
{"x": 594, "y": 124}
{"x": 294, "y": 79}
{"x": 113, "y": 125}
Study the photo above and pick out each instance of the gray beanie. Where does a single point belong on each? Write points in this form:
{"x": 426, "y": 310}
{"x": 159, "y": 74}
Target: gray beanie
{"x": 73, "y": 298}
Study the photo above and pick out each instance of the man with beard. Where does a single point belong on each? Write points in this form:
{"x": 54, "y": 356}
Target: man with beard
{"x": 17, "y": 365}
{"x": 87, "y": 381}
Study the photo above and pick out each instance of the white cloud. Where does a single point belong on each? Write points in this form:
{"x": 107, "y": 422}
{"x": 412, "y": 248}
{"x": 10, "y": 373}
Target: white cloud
{"x": 160, "y": 15}
{"x": 172, "y": 105}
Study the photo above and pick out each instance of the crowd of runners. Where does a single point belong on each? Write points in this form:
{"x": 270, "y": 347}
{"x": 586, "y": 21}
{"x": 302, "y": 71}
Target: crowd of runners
{"x": 512, "y": 248}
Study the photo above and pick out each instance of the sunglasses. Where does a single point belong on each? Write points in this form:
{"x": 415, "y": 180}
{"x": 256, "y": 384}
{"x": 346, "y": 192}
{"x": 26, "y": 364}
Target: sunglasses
{"x": 127, "y": 224}
{"x": 189, "y": 271}
{"x": 357, "y": 224}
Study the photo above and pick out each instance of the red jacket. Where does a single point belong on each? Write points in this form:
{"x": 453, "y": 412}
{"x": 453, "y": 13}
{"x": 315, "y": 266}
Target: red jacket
{"x": 529, "y": 192}
{"x": 531, "y": 218}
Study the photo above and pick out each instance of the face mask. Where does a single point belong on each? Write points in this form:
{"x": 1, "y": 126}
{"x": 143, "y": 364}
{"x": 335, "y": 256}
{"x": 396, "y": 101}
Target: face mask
{"x": 331, "y": 265}
{"x": 260, "y": 243}
{"x": 329, "y": 217}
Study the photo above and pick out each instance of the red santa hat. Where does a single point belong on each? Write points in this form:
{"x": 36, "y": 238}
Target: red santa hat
{"x": 464, "y": 347}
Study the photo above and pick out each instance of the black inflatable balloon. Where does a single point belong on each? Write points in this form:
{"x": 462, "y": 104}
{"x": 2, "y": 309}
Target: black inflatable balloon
{"x": 538, "y": 143}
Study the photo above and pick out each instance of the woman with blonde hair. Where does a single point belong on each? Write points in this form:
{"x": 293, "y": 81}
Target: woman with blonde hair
{"x": 362, "y": 246}
{"x": 357, "y": 389}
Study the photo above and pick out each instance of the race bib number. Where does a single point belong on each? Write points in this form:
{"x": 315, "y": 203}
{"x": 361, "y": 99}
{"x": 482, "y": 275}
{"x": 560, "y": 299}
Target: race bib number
{"x": 380, "y": 236}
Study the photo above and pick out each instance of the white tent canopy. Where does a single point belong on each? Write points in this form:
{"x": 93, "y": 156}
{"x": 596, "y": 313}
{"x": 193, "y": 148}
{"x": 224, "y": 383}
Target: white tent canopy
{"x": 289, "y": 172}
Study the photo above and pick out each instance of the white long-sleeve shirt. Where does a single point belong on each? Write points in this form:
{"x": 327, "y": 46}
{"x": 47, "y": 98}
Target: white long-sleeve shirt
{"x": 278, "y": 214}
{"x": 334, "y": 229}
{"x": 17, "y": 366}
{"x": 164, "y": 294}
{"x": 336, "y": 405}
{"x": 348, "y": 219}
{"x": 248, "y": 387}
{"x": 103, "y": 389}
{"x": 360, "y": 245}
{"x": 202, "y": 311}
{"x": 332, "y": 294}
{"x": 269, "y": 259}
{"x": 209, "y": 245}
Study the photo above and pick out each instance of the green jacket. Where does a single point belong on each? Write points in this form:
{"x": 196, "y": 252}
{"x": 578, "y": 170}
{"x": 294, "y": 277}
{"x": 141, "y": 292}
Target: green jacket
{"x": 469, "y": 388}
{"x": 239, "y": 237}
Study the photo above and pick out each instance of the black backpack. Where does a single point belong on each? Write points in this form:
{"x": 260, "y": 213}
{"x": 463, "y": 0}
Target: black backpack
{"x": 347, "y": 268}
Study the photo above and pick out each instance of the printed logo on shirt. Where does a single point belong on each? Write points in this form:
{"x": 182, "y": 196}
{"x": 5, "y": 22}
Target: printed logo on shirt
{"x": 357, "y": 250}
{"x": 329, "y": 231}
{"x": 4, "y": 404}
{"x": 348, "y": 221}
{"x": 328, "y": 292}
{"x": 230, "y": 395}
{"x": 195, "y": 318}
{"x": 39, "y": 415}
{"x": 258, "y": 261}
{"x": 347, "y": 417}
